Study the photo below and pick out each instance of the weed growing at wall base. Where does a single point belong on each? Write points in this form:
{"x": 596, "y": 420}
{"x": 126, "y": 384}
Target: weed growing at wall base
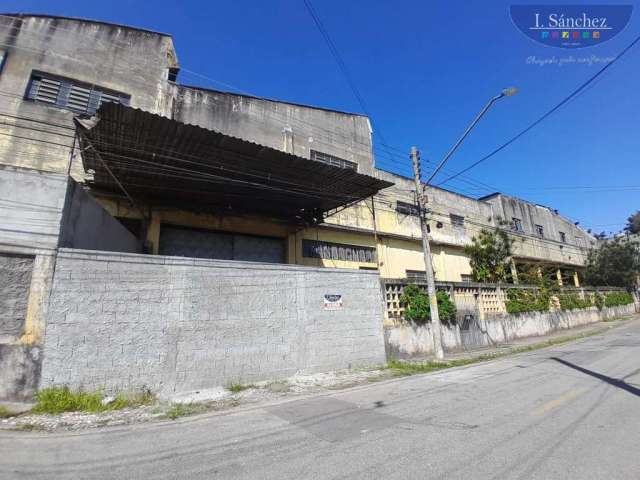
{"x": 405, "y": 368}
{"x": 4, "y": 413}
{"x": 238, "y": 387}
{"x": 62, "y": 399}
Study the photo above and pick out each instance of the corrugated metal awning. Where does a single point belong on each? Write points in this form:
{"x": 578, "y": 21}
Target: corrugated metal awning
{"x": 165, "y": 162}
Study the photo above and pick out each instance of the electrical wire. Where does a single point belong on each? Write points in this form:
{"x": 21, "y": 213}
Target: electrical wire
{"x": 566, "y": 100}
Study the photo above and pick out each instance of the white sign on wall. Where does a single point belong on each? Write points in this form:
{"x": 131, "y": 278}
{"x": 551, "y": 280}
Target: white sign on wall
{"x": 333, "y": 301}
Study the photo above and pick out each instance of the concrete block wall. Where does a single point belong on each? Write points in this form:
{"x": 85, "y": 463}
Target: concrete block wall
{"x": 174, "y": 325}
{"x": 405, "y": 340}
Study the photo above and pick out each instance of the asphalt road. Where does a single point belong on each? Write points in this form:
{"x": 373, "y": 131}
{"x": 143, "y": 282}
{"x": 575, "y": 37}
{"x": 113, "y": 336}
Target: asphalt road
{"x": 569, "y": 412}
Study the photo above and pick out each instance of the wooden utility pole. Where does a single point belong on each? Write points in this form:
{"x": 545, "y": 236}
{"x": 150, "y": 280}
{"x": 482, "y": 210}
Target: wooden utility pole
{"x": 428, "y": 266}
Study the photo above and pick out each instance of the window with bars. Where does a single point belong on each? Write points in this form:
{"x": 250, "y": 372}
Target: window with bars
{"x": 416, "y": 274}
{"x": 338, "y": 251}
{"x": 456, "y": 220}
{"x": 407, "y": 208}
{"x": 332, "y": 160}
{"x": 71, "y": 94}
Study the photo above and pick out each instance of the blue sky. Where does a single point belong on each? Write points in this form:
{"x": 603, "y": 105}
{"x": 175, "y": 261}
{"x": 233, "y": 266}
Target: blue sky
{"x": 424, "y": 69}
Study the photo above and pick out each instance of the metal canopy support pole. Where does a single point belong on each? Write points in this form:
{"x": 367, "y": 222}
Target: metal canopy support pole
{"x": 115, "y": 179}
{"x": 428, "y": 266}
{"x": 375, "y": 233}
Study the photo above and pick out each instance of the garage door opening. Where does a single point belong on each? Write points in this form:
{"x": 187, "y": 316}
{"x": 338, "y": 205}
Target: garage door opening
{"x": 200, "y": 243}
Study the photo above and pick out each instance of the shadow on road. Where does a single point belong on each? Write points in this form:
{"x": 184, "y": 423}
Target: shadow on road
{"x": 611, "y": 381}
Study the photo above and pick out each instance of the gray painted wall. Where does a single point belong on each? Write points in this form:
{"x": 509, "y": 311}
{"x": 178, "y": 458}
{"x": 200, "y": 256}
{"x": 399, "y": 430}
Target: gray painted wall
{"x": 176, "y": 325}
{"x": 86, "y": 225}
{"x": 31, "y": 205}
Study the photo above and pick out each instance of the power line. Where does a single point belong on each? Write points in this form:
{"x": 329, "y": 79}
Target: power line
{"x": 384, "y": 150}
{"x": 341, "y": 65}
{"x": 546, "y": 115}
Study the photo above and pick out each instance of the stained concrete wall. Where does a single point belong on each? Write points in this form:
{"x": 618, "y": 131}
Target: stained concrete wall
{"x": 86, "y": 225}
{"x": 285, "y": 126}
{"x": 114, "y": 57}
{"x": 15, "y": 279}
{"x": 410, "y": 340}
{"x": 175, "y": 324}
{"x": 528, "y": 245}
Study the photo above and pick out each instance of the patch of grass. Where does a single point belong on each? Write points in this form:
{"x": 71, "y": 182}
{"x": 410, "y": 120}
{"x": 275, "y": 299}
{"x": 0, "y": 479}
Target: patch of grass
{"x": 618, "y": 319}
{"x": 5, "y": 413}
{"x": 238, "y": 387}
{"x": 177, "y": 410}
{"x": 62, "y": 399}
{"x": 411, "y": 368}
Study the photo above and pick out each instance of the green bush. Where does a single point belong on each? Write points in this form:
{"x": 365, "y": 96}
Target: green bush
{"x": 521, "y": 300}
{"x": 572, "y": 301}
{"x": 418, "y": 310}
{"x": 617, "y": 299}
{"x": 62, "y": 399}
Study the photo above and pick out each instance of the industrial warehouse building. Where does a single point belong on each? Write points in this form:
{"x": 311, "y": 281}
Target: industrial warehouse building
{"x": 102, "y": 149}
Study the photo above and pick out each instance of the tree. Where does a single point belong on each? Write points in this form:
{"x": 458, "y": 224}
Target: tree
{"x": 614, "y": 263}
{"x": 633, "y": 223}
{"x": 489, "y": 255}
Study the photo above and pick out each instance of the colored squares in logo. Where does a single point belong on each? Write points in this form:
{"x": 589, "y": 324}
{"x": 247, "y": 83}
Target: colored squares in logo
{"x": 586, "y": 35}
{"x": 596, "y": 34}
{"x": 565, "y": 34}
{"x": 555, "y": 34}
{"x": 576, "y": 35}
{"x": 545, "y": 34}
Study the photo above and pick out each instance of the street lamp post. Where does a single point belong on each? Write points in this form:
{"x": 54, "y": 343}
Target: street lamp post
{"x": 423, "y": 210}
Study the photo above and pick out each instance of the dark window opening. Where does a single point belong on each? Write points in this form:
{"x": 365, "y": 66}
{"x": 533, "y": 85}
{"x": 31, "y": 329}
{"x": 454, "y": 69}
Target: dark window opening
{"x": 563, "y": 237}
{"x": 540, "y": 231}
{"x": 407, "y": 208}
{"x": 332, "y": 160}
{"x": 172, "y": 76}
{"x": 517, "y": 224}
{"x": 71, "y": 94}
{"x": 3, "y": 57}
{"x": 456, "y": 220}
{"x": 338, "y": 251}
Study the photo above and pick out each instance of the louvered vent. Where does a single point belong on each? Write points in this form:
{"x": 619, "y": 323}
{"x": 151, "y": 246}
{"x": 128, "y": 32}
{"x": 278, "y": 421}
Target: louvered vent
{"x": 70, "y": 94}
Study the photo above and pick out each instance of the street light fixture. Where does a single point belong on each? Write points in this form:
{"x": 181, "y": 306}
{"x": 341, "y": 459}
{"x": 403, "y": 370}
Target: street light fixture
{"x": 506, "y": 92}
